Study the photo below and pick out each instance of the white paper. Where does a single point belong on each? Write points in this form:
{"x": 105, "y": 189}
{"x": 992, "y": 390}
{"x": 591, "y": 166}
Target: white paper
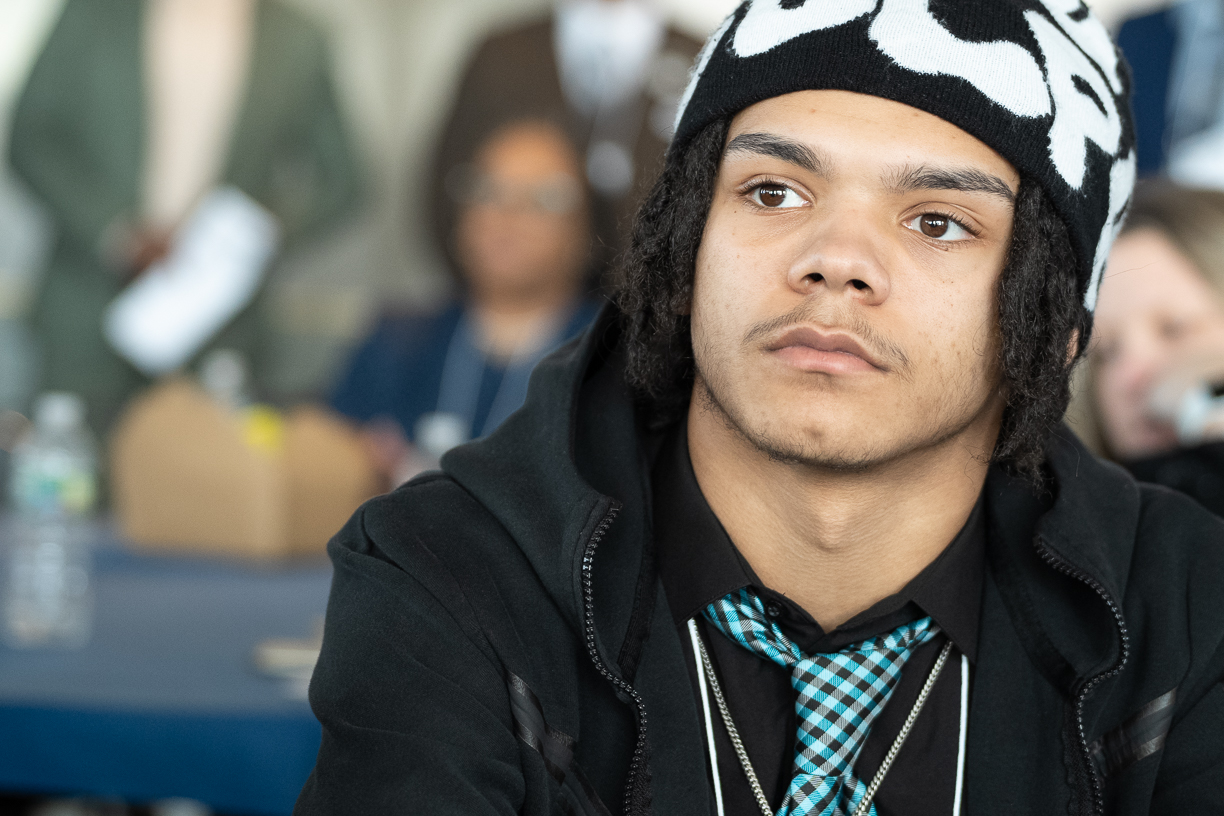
{"x": 212, "y": 272}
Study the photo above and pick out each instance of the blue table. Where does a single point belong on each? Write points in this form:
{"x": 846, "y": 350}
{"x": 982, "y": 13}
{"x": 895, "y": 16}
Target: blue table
{"x": 165, "y": 700}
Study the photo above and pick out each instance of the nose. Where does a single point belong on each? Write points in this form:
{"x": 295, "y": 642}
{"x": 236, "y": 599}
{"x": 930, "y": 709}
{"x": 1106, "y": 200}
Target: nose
{"x": 842, "y": 258}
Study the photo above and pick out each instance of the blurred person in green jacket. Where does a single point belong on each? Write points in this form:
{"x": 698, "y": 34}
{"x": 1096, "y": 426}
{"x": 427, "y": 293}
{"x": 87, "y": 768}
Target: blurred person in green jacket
{"x": 135, "y": 110}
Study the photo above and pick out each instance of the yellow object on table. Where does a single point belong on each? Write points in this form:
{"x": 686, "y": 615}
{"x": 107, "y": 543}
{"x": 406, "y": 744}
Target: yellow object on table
{"x": 264, "y": 428}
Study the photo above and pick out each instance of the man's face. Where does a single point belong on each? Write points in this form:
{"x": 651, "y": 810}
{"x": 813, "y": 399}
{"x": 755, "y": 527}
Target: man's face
{"x": 844, "y": 306}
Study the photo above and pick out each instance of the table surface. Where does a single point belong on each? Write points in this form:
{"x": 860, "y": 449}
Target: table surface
{"x": 165, "y": 700}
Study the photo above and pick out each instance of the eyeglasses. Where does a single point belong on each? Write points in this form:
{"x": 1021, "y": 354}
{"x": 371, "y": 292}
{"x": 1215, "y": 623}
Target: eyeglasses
{"x": 470, "y": 186}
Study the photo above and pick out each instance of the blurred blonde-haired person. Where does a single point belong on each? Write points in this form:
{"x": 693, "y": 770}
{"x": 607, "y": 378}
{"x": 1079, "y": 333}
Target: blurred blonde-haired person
{"x": 1154, "y": 383}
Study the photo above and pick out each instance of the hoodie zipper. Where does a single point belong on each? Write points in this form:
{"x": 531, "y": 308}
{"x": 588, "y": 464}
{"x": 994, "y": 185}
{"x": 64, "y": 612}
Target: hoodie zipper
{"x": 588, "y": 617}
{"x": 1057, "y": 563}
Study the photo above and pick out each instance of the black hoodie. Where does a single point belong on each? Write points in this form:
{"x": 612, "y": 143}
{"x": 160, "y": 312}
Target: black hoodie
{"x": 497, "y": 641}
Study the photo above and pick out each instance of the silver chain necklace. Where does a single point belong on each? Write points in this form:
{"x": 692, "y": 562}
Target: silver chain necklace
{"x": 865, "y": 805}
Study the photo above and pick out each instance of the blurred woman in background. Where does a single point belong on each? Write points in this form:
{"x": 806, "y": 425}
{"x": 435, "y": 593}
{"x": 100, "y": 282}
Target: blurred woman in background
{"x": 424, "y": 383}
{"x": 1155, "y": 378}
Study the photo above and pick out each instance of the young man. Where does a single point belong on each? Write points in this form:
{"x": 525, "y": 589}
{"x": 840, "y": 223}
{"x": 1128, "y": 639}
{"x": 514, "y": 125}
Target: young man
{"x": 795, "y": 528}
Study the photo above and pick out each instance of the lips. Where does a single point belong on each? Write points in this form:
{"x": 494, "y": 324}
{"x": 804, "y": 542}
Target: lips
{"x": 813, "y": 350}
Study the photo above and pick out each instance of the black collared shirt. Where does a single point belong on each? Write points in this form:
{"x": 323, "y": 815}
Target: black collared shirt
{"x": 698, "y": 564}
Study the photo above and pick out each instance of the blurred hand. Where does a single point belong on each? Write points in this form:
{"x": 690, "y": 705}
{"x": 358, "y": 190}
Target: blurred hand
{"x": 132, "y": 248}
{"x": 147, "y": 246}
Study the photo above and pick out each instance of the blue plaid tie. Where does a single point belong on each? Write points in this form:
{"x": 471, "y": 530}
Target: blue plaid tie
{"x": 840, "y": 696}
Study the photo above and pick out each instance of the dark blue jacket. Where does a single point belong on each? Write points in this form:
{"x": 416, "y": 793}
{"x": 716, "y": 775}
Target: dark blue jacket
{"x": 397, "y": 372}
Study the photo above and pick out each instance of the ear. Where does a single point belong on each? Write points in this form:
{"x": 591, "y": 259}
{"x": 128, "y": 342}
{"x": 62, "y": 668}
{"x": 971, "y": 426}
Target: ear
{"x": 1073, "y": 347}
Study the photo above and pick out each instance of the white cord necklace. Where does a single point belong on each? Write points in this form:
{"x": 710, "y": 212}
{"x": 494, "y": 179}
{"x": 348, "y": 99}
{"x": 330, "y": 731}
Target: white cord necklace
{"x": 705, "y": 671}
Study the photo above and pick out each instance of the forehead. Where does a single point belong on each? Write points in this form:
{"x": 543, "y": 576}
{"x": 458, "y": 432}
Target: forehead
{"x": 862, "y": 132}
{"x": 528, "y": 149}
{"x": 1147, "y": 273}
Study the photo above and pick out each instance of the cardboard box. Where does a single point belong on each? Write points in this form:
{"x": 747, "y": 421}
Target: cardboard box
{"x": 188, "y": 475}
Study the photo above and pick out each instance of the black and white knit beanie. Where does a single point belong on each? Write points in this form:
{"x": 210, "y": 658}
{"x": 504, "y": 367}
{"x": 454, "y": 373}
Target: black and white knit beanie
{"x": 1039, "y": 81}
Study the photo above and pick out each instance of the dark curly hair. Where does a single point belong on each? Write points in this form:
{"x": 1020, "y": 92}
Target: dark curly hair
{"x": 1040, "y": 303}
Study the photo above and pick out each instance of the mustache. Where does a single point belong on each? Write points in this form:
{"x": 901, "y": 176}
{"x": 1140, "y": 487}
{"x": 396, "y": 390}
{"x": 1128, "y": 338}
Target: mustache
{"x": 819, "y": 315}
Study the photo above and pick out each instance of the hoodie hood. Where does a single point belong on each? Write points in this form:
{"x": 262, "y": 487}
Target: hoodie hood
{"x": 1064, "y": 572}
{"x": 567, "y": 462}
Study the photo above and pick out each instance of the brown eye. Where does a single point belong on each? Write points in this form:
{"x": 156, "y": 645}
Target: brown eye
{"x": 772, "y": 195}
{"x": 941, "y": 228}
{"x": 933, "y": 226}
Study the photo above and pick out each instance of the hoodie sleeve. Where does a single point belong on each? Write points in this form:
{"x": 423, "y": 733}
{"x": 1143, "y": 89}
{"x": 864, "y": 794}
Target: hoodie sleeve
{"x": 415, "y": 713}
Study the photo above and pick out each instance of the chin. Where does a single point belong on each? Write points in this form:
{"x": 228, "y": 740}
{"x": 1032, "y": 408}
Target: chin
{"x": 830, "y": 449}
{"x": 1139, "y": 439}
{"x": 847, "y": 438}
{"x": 826, "y": 438}
{"x": 856, "y": 450}
{"x": 1146, "y": 448}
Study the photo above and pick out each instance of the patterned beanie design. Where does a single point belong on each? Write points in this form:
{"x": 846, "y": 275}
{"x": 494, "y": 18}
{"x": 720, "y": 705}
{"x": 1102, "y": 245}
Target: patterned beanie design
{"x": 1039, "y": 81}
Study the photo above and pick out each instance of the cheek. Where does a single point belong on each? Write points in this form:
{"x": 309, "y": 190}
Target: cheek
{"x": 1208, "y": 339}
{"x": 1118, "y": 404}
{"x": 1107, "y": 393}
{"x": 468, "y": 230}
{"x": 740, "y": 275}
{"x": 483, "y": 231}
{"x": 959, "y": 323}
{"x": 722, "y": 289}
{"x": 708, "y": 312}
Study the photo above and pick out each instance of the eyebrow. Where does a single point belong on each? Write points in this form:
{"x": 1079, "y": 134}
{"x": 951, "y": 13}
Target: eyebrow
{"x": 778, "y": 147}
{"x": 903, "y": 180}
{"x": 967, "y": 180}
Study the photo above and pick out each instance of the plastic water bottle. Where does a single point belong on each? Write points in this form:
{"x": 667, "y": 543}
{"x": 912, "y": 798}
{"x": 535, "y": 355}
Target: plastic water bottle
{"x": 48, "y": 599}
